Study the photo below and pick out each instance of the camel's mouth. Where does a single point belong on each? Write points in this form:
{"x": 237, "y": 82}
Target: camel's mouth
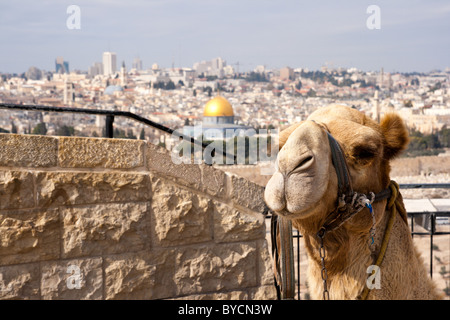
{"x": 284, "y": 213}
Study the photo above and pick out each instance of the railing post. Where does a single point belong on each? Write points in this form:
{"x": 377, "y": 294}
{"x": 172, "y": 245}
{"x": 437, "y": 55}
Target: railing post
{"x": 109, "y": 133}
{"x": 433, "y": 230}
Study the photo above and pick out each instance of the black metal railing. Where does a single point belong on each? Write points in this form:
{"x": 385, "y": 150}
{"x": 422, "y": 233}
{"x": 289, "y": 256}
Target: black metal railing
{"x": 428, "y": 222}
{"x": 109, "y": 121}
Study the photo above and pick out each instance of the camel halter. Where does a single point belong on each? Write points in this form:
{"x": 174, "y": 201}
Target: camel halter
{"x": 349, "y": 203}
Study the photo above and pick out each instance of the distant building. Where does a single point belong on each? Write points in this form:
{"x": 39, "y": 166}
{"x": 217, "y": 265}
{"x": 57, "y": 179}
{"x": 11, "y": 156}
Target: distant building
{"x": 218, "y": 121}
{"x": 109, "y": 63}
{"x": 61, "y": 66}
{"x": 287, "y": 73}
{"x": 137, "y": 64}
{"x": 34, "y": 73}
{"x": 214, "y": 67}
{"x": 95, "y": 69}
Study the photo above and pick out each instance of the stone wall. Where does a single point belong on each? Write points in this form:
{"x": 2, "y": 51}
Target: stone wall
{"x": 85, "y": 218}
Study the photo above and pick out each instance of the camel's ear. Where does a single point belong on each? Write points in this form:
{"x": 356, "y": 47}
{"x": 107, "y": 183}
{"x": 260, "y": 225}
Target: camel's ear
{"x": 395, "y": 135}
{"x": 284, "y": 135}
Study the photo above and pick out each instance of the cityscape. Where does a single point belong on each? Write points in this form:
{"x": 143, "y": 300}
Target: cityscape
{"x": 263, "y": 98}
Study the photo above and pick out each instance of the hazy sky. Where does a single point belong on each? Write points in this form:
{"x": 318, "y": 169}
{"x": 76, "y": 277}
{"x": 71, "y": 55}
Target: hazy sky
{"x": 414, "y": 35}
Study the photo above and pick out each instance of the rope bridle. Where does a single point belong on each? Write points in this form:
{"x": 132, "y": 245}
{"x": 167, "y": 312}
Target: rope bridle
{"x": 349, "y": 203}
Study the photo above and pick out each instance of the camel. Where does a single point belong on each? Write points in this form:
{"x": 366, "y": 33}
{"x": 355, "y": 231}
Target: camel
{"x": 304, "y": 190}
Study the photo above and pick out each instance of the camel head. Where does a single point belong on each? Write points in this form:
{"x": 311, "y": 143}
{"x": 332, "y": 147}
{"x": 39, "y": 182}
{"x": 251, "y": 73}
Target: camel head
{"x": 305, "y": 182}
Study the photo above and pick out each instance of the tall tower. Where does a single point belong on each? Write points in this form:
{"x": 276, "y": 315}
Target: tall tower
{"x": 61, "y": 66}
{"x": 123, "y": 74}
{"x": 376, "y": 107}
{"x": 109, "y": 63}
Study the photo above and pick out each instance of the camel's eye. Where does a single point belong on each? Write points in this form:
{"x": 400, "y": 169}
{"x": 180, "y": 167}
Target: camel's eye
{"x": 364, "y": 153}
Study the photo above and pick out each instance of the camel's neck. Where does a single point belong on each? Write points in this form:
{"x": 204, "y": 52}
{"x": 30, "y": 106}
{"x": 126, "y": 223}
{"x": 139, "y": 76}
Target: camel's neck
{"x": 348, "y": 255}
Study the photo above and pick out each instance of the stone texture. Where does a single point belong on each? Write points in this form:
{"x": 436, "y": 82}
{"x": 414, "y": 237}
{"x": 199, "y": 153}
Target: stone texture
{"x": 104, "y": 229}
{"x": 204, "y": 269}
{"x": 19, "y": 282}
{"x": 231, "y": 224}
{"x": 28, "y": 150}
{"x": 16, "y": 190}
{"x": 201, "y": 177}
{"x": 264, "y": 263}
{"x": 103, "y": 153}
{"x": 159, "y": 160}
{"x": 72, "y": 279}
{"x": 213, "y": 180}
{"x": 267, "y": 292}
{"x": 29, "y": 236}
{"x": 71, "y": 188}
{"x": 144, "y": 275}
{"x": 180, "y": 216}
{"x": 232, "y": 295}
{"x": 247, "y": 194}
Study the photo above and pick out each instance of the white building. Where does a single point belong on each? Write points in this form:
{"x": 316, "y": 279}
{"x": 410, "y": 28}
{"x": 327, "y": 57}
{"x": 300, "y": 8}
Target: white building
{"x": 213, "y": 67}
{"x": 109, "y": 63}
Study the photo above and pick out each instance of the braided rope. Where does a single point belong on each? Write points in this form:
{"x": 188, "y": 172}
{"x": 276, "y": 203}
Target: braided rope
{"x": 387, "y": 233}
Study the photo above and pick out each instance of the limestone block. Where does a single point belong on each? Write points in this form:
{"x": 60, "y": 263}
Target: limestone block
{"x": 247, "y": 194}
{"x": 16, "y": 190}
{"x": 265, "y": 263}
{"x": 97, "y": 152}
{"x": 180, "y": 216}
{"x": 159, "y": 160}
{"x": 71, "y": 188}
{"x": 267, "y": 292}
{"x": 143, "y": 275}
{"x": 232, "y": 295}
{"x": 28, "y": 150}
{"x": 199, "y": 176}
{"x": 79, "y": 279}
{"x": 104, "y": 229}
{"x": 213, "y": 180}
{"x": 27, "y": 236}
{"x": 19, "y": 282}
{"x": 231, "y": 224}
{"x": 211, "y": 268}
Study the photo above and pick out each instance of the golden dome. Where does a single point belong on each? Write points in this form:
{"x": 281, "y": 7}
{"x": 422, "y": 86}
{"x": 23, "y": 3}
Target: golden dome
{"x": 218, "y": 107}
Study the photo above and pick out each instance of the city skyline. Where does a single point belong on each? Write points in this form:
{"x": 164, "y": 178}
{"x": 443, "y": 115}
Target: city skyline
{"x": 412, "y": 35}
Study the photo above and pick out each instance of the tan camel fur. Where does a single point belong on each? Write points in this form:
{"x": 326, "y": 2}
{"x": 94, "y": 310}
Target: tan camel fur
{"x": 304, "y": 189}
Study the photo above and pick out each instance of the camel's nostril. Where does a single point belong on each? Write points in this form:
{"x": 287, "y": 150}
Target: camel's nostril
{"x": 305, "y": 162}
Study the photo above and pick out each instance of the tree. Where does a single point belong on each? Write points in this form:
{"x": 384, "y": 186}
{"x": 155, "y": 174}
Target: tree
{"x": 130, "y": 134}
{"x": 40, "y": 128}
{"x": 298, "y": 85}
{"x": 444, "y": 137}
{"x": 65, "y": 131}
{"x": 311, "y": 93}
{"x": 407, "y": 104}
{"x": 13, "y": 127}
{"x": 142, "y": 134}
{"x": 170, "y": 85}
